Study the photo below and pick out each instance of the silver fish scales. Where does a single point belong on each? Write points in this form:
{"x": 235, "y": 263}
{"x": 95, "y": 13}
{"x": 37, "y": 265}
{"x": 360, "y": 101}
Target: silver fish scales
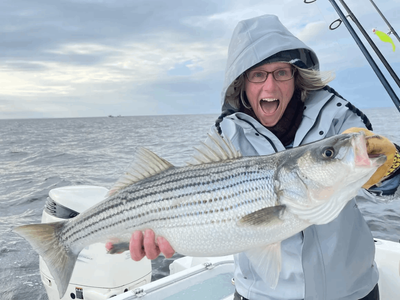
{"x": 220, "y": 204}
{"x": 189, "y": 197}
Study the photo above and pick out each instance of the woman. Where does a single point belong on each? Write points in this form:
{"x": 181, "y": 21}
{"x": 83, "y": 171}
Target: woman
{"x": 273, "y": 99}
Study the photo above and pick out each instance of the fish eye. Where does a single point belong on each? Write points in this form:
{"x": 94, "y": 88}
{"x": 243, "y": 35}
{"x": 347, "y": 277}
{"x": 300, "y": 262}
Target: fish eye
{"x": 328, "y": 153}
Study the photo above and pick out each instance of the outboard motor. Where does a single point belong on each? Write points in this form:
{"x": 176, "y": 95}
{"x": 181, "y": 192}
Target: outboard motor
{"x": 97, "y": 275}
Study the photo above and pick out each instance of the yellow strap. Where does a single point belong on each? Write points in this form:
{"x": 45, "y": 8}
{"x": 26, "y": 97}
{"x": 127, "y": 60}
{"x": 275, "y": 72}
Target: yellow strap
{"x": 395, "y": 164}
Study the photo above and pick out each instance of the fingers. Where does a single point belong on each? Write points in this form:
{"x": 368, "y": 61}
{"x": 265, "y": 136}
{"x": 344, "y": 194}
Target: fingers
{"x": 377, "y": 145}
{"x": 109, "y": 246}
{"x": 380, "y": 145}
{"x": 136, "y": 246}
{"x": 144, "y": 245}
{"x": 165, "y": 247}
{"x": 149, "y": 243}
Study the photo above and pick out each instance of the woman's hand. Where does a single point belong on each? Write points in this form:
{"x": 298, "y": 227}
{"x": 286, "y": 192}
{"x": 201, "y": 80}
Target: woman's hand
{"x": 141, "y": 246}
{"x": 377, "y": 144}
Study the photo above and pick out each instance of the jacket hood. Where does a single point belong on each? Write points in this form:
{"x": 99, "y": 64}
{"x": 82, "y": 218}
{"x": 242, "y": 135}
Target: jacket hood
{"x": 256, "y": 39}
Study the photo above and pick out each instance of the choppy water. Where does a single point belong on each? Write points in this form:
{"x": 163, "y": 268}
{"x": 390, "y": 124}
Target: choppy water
{"x": 41, "y": 154}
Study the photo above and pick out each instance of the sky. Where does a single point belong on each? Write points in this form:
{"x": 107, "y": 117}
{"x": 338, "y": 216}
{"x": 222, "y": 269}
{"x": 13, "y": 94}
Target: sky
{"x": 89, "y": 58}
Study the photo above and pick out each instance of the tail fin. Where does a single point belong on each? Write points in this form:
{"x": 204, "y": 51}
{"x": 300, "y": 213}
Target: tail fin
{"x": 59, "y": 258}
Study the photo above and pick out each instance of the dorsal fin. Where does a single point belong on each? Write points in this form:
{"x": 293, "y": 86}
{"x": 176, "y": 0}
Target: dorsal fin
{"x": 214, "y": 149}
{"x": 145, "y": 164}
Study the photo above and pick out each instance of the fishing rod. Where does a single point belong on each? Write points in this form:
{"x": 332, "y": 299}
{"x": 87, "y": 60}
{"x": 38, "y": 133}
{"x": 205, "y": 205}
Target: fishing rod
{"x": 364, "y": 50}
{"x": 386, "y": 21}
{"x": 370, "y": 41}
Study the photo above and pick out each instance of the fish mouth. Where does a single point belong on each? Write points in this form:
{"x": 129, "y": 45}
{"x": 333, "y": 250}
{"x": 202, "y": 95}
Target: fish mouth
{"x": 377, "y": 160}
{"x": 269, "y": 105}
{"x": 362, "y": 157}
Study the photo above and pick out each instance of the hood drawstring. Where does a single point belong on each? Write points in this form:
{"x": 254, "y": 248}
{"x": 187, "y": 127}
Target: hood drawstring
{"x": 220, "y": 119}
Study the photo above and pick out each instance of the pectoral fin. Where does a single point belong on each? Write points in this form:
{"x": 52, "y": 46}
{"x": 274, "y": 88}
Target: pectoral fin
{"x": 266, "y": 261}
{"x": 266, "y": 216}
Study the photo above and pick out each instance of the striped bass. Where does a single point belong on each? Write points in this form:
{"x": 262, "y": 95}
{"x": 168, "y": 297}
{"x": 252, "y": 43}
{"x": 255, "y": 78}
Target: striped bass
{"x": 219, "y": 204}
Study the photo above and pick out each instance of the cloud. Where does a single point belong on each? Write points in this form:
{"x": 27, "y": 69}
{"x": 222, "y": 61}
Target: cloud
{"x": 312, "y": 31}
{"x": 100, "y": 57}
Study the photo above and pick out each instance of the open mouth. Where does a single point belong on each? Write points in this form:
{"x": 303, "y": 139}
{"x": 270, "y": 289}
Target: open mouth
{"x": 363, "y": 158}
{"x": 269, "y": 105}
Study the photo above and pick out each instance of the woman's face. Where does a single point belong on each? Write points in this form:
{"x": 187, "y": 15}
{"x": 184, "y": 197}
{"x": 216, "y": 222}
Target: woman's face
{"x": 269, "y": 99}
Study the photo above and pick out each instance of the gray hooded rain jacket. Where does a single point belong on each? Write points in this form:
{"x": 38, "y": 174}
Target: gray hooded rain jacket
{"x": 332, "y": 261}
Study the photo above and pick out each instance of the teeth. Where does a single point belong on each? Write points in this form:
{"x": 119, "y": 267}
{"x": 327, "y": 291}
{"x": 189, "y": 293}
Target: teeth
{"x": 269, "y": 99}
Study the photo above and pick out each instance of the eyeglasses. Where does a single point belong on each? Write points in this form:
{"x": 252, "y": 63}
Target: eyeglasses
{"x": 258, "y": 76}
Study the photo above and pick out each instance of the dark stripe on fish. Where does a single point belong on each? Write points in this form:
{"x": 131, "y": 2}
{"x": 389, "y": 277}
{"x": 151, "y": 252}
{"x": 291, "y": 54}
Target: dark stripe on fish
{"x": 94, "y": 220}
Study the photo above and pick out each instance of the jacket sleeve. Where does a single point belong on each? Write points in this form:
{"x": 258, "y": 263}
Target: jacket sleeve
{"x": 348, "y": 120}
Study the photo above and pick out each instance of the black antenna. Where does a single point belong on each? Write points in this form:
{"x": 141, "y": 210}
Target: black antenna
{"x": 364, "y": 50}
